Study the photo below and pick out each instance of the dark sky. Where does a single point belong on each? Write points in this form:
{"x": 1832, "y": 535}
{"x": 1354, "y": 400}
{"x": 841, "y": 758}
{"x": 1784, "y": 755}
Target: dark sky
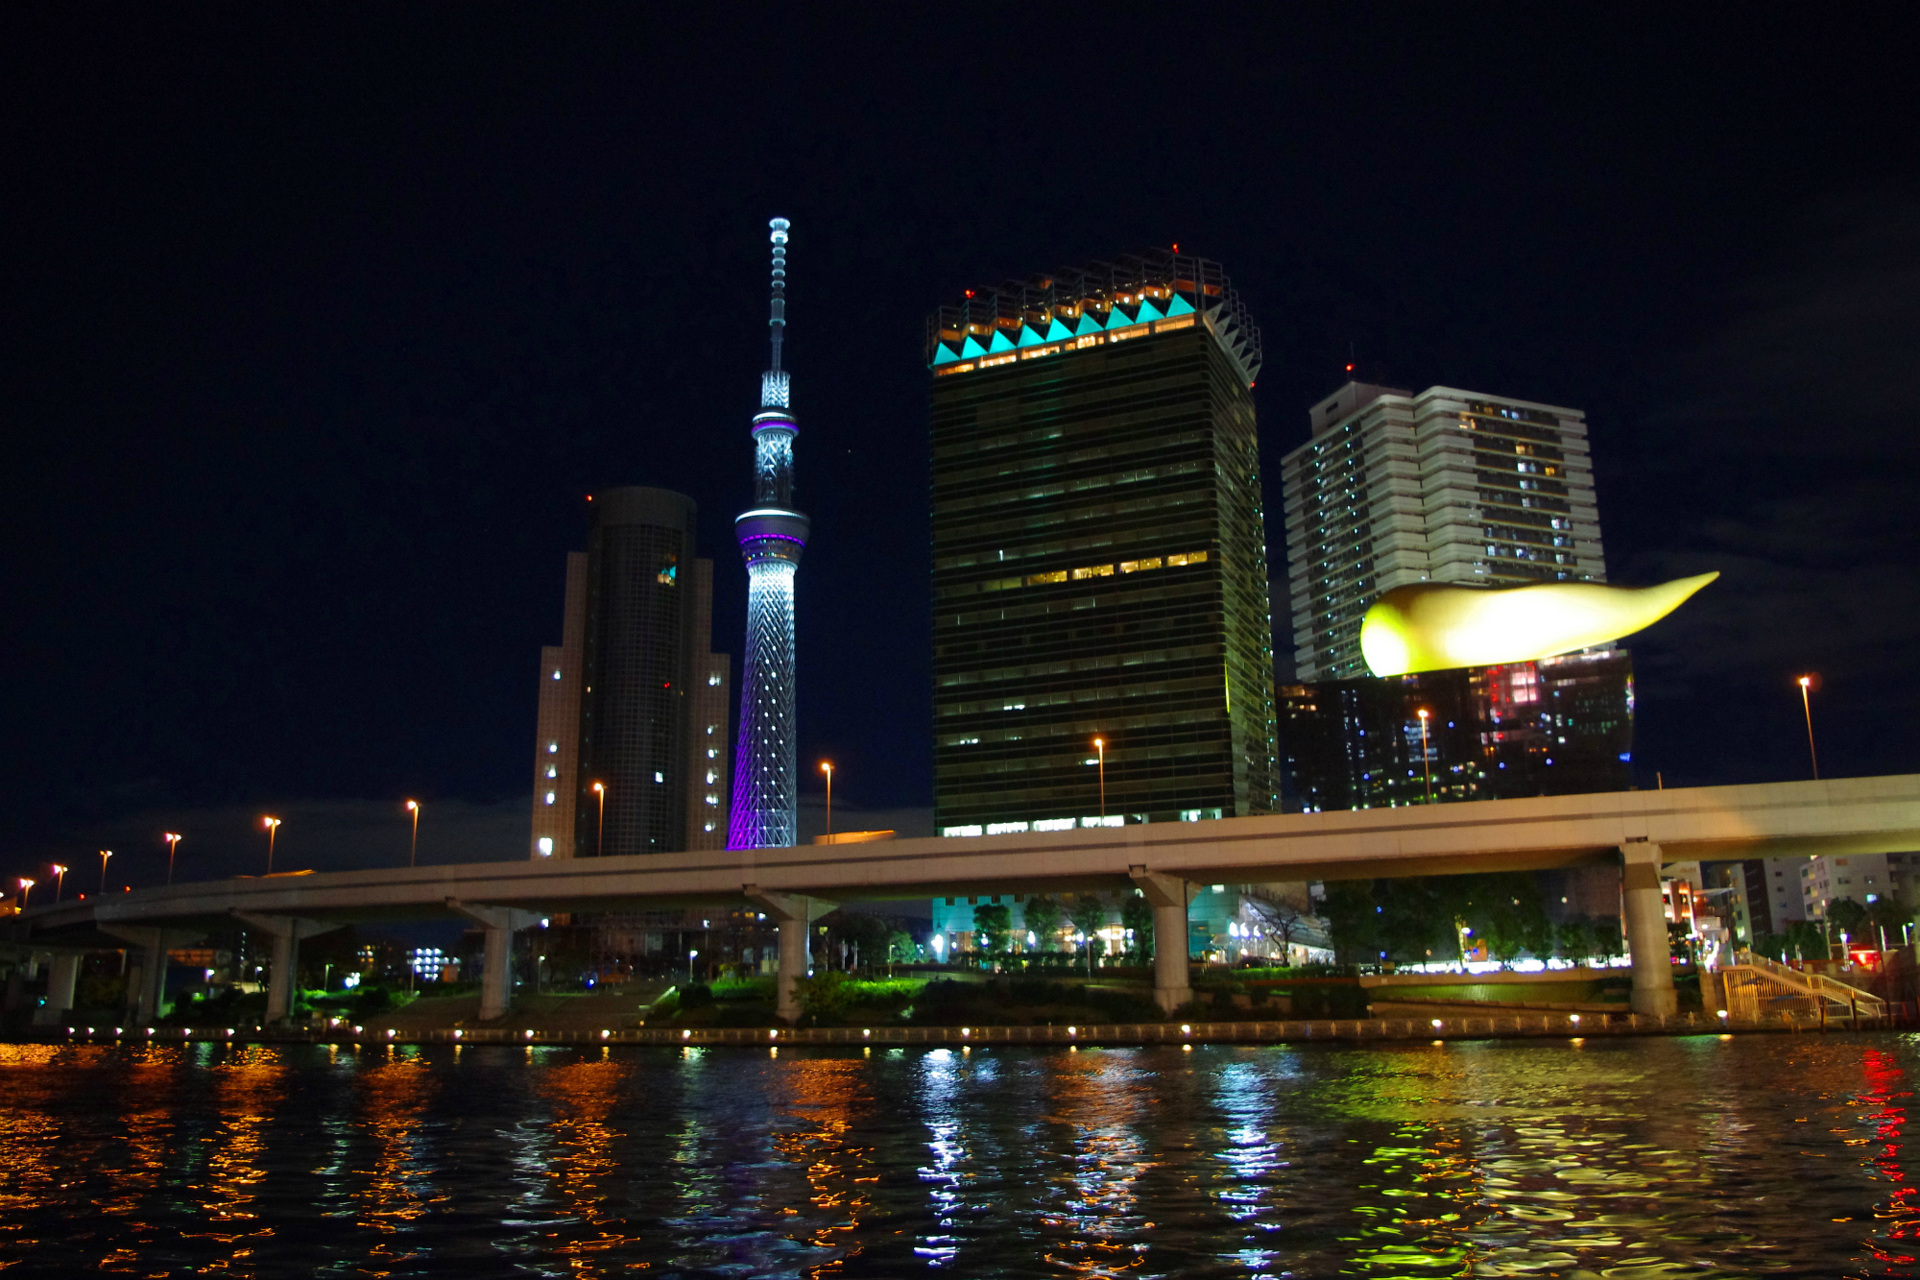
{"x": 318, "y": 322}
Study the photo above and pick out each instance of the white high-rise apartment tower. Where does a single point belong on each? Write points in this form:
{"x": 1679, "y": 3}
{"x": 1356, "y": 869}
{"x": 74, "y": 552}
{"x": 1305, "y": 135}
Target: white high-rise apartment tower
{"x": 1444, "y": 486}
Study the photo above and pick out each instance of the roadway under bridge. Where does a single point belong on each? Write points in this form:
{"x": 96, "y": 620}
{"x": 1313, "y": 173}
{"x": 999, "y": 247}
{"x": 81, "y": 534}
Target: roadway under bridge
{"x": 1637, "y": 831}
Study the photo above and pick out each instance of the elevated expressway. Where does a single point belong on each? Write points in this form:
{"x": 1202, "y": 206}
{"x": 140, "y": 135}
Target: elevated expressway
{"x": 1635, "y": 830}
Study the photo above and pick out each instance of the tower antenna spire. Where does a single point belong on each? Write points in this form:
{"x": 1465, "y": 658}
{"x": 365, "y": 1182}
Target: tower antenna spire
{"x": 773, "y": 387}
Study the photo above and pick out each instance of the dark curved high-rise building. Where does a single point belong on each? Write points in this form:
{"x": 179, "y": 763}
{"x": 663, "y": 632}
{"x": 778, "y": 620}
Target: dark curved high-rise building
{"x": 632, "y": 750}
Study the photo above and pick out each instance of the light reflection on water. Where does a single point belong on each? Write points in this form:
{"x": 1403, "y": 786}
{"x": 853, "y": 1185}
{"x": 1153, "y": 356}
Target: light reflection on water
{"x": 1628, "y": 1159}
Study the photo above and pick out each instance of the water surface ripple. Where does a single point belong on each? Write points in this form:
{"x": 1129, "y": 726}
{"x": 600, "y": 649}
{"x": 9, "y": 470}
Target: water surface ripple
{"x": 1631, "y": 1159}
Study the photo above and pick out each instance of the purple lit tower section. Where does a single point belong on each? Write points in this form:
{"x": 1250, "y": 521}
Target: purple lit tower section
{"x": 772, "y": 535}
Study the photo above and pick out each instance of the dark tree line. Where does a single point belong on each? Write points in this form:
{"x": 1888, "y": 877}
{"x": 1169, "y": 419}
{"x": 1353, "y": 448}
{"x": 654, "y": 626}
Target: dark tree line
{"x": 1434, "y": 918}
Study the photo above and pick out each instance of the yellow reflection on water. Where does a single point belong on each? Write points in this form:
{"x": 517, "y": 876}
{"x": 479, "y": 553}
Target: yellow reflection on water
{"x": 828, "y": 1097}
{"x": 1103, "y": 1100}
{"x": 249, "y": 1083}
{"x": 395, "y": 1095}
{"x": 584, "y": 1096}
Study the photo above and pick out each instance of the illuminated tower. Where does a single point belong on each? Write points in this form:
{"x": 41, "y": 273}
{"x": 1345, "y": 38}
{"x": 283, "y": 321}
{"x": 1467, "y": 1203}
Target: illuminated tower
{"x": 772, "y": 536}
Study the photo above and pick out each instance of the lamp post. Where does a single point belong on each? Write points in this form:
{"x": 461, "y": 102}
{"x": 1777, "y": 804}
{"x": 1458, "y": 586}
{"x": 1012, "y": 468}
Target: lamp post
{"x": 1806, "y": 705}
{"x": 59, "y": 880}
{"x": 1100, "y": 746}
{"x": 690, "y": 959}
{"x": 600, "y": 832}
{"x": 413, "y": 846}
{"x": 173, "y": 844}
{"x": 26, "y": 887}
{"x": 826, "y": 767}
{"x": 104, "y": 855}
{"x": 1426, "y": 764}
{"x": 273, "y": 830}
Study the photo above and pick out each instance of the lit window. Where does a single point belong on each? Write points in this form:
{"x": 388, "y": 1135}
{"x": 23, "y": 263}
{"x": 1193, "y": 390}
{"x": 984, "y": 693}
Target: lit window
{"x": 711, "y": 752}
{"x": 556, "y": 675}
{"x": 713, "y": 799}
{"x": 553, "y": 748}
{"x": 709, "y": 826}
{"x": 552, "y": 771}
{"x": 546, "y": 846}
{"x": 713, "y": 680}
{"x": 710, "y": 777}
{"x": 549, "y": 797}
{"x": 659, "y": 776}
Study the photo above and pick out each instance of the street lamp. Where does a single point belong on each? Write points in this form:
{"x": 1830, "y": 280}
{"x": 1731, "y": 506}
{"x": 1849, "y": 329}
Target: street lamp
{"x": 413, "y": 847}
{"x": 273, "y": 830}
{"x": 59, "y": 880}
{"x": 26, "y": 887}
{"x": 104, "y": 855}
{"x": 1426, "y": 762}
{"x": 173, "y": 844}
{"x": 826, "y": 767}
{"x": 600, "y": 833}
{"x": 690, "y": 959}
{"x": 1806, "y": 705}
{"x": 1100, "y": 745}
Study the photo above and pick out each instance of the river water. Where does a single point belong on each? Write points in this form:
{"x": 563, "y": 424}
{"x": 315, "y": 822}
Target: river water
{"x": 1628, "y": 1158}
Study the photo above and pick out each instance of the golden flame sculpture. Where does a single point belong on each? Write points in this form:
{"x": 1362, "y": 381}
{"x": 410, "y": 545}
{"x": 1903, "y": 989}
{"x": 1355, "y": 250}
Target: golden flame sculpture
{"x": 1432, "y": 627}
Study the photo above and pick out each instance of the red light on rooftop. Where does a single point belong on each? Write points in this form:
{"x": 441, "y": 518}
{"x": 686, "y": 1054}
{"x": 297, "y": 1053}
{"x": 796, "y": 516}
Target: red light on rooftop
{"x": 969, "y": 293}
{"x": 1349, "y": 368}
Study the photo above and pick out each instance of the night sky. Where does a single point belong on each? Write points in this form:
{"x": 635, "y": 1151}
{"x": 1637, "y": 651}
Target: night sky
{"x": 319, "y": 322}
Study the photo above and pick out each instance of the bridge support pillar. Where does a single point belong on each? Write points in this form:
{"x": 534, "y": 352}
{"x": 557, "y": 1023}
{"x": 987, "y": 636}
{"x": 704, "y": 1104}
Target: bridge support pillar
{"x": 286, "y": 932}
{"x": 1645, "y": 920}
{"x": 1172, "y": 984}
{"x": 147, "y": 978}
{"x": 63, "y": 975}
{"x": 794, "y": 913}
{"x": 496, "y": 969}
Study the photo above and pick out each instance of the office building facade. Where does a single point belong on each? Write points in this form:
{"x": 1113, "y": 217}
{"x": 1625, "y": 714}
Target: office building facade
{"x": 1394, "y": 488}
{"x": 630, "y": 756}
{"x": 1099, "y": 552}
{"x": 1558, "y": 726}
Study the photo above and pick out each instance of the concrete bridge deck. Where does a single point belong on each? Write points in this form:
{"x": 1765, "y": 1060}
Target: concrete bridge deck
{"x": 1638, "y": 829}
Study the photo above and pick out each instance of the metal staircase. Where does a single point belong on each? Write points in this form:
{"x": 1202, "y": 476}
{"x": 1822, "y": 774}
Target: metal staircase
{"x": 1757, "y": 985}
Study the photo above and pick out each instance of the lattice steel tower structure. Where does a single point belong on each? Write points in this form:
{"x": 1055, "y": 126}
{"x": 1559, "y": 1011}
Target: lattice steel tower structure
{"x": 772, "y": 535}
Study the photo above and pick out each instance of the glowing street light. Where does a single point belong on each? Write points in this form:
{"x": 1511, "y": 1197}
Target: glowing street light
{"x": 59, "y": 880}
{"x": 691, "y": 955}
{"x": 273, "y": 830}
{"x": 826, "y": 767}
{"x": 1426, "y": 761}
{"x": 173, "y": 844}
{"x": 1806, "y": 705}
{"x": 26, "y": 887}
{"x": 1100, "y": 745}
{"x": 600, "y": 833}
{"x": 104, "y": 855}
{"x": 413, "y": 847}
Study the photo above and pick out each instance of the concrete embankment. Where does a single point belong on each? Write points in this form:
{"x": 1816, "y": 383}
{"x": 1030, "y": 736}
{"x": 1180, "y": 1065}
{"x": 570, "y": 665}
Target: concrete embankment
{"x": 1343, "y": 1030}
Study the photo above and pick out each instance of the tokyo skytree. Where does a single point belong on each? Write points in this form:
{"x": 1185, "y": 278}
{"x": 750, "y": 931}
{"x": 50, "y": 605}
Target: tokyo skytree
{"x": 772, "y": 535}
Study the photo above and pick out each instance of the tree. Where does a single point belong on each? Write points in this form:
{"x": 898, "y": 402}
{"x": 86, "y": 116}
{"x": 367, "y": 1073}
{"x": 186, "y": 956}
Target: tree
{"x": 1353, "y": 920}
{"x": 1280, "y": 918}
{"x": 1088, "y": 913}
{"x": 1136, "y": 916}
{"x": 1846, "y": 915}
{"x": 865, "y": 937}
{"x": 991, "y": 923}
{"x": 1043, "y": 920}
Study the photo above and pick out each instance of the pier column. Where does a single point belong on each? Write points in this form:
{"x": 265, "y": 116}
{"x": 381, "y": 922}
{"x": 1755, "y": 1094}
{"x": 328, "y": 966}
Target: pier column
{"x": 147, "y": 978}
{"x": 62, "y": 976}
{"x": 496, "y": 970}
{"x": 794, "y": 913}
{"x": 1645, "y": 921}
{"x": 286, "y": 932}
{"x": 1172, "y": 983}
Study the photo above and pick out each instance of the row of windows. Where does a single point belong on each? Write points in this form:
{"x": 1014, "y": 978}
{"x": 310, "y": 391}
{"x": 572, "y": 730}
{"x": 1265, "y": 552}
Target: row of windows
{"x": 1080, "y": 574}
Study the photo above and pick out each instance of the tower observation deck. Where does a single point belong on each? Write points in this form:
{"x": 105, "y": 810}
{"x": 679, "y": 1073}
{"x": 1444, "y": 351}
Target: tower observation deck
{"x": 772, "y": 536}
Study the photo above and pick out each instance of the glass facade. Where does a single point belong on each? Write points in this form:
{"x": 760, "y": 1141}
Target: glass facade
{"x": 1099, "y": 555}
{"x": 1559, "y": 726}
{"x": 638, "y": 661}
